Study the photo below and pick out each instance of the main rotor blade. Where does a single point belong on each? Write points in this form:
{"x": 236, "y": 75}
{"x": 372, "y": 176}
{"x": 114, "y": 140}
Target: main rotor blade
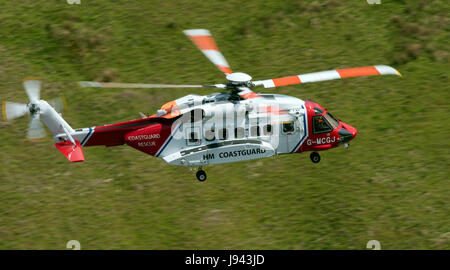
{"x": 246, "y": 93}
{"x": 203, "y": 39}
{"x": 137, "y": 85}
{"x": 329, "y": 75}
{"x": 12, "y": 110}
{"x": 33, "y": 88}
{"x": 35, "y": 129}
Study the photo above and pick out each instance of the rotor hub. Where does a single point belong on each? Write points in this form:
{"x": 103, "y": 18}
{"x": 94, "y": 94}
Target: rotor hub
{"x": 238, "y": 78}
{"x": 33, "y": 107}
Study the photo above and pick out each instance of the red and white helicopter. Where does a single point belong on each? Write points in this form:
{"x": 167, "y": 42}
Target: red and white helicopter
{"x": 234, "y": 125}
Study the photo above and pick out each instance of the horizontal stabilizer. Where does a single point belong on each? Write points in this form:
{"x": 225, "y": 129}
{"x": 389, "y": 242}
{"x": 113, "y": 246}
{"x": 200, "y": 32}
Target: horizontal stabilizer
{"x": 74, "y": 153}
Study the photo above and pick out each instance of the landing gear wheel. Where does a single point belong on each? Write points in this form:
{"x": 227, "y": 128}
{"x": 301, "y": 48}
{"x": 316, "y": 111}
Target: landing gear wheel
{"x": 201, "y": 175}
{"x": 315, "y": 157}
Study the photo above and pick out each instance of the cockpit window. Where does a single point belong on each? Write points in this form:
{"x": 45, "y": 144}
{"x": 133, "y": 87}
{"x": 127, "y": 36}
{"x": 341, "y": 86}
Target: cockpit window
{"x": 317, "y": 110}
{"x": 320, "y": 125}
{"x": 330, "y": 118}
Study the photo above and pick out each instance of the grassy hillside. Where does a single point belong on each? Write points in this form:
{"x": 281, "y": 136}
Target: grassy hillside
{"x": 392, "y": 185}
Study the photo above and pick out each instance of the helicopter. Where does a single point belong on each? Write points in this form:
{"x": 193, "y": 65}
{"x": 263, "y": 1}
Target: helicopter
{"x": 232, "y": 125}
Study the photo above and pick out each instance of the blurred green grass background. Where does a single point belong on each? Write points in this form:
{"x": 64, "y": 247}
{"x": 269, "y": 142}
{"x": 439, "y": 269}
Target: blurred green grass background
{"x": 392, "y": 185}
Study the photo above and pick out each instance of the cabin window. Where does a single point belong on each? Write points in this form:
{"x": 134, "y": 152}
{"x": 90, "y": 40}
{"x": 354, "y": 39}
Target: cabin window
{"x": 193, "y": 137}
{"x": 239, "y": 132}
{"x": 223, "y": 134}
{"x": 210, "y": 135}
{"x": 288, "y": 127}
{"x": 267, "y": 130}
{"x": 320, "y": 125}
{"x": 193, "y": 116}
{"x": 254, "y": 131}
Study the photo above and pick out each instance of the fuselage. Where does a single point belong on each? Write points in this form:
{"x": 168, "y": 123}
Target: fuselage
{"x": 200, "y": 130}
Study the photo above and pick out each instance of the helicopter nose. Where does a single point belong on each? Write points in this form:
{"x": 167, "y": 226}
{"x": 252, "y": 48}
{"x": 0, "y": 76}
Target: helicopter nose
{"x": 347, "y": 132}
{"x": 352, "y": 130}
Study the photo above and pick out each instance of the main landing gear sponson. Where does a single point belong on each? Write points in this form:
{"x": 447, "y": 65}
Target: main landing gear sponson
{"x": 315, "y": 157}
{"x": 201, "y": 175}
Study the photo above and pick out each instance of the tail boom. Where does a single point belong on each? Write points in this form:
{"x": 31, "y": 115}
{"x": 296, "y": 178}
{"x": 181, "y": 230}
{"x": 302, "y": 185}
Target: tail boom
{"x": 145, "y": 134}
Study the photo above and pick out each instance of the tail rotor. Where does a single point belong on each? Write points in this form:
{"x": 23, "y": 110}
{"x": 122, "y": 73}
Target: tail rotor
{"x": 13, "y": 110}
{"x": 33, "y": 89}
{"x": 35, "y": 129}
